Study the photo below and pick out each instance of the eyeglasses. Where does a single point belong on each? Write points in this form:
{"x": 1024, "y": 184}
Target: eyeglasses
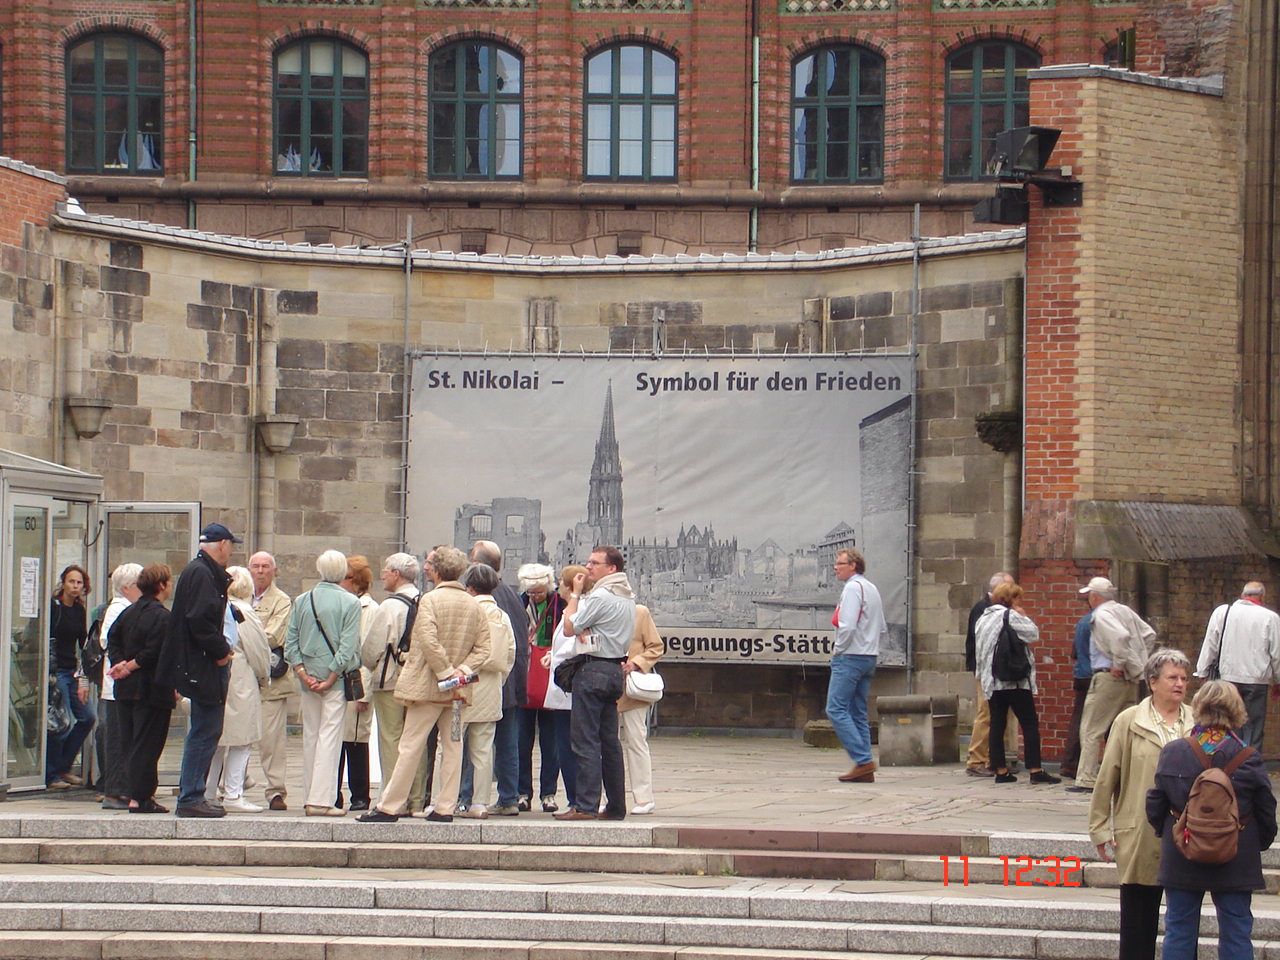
{"x": 843, "y": 563}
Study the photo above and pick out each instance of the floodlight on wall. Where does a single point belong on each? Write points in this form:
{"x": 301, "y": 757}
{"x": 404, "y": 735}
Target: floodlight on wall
{"x": 87, "y": 414}
{"x": 276, "y": 430}
{"x": 1020, "y": 157}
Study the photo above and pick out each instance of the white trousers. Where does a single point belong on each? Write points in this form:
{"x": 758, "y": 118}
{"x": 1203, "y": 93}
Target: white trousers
{"x": 322, "y": 716}
{"x": 633, "y": 732}
{"x": 480, "y": 748}
{"x": 229, "y": 766}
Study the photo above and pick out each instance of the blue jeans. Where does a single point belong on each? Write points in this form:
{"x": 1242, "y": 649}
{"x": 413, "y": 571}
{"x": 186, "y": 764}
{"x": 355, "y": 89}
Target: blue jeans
{"x": 60, "y": 752}
{"x": 539, "y": 725}
{"x": 1182, "y": 924}
{"x": 197, "y": 752}
{"x": 506, "y": 757}
{"x": 847, "y": 703}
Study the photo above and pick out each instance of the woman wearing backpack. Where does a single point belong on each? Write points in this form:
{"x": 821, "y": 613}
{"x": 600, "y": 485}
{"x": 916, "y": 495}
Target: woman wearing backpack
{"x": 1006, "y": 695}
{"x": 1218, "y": 712}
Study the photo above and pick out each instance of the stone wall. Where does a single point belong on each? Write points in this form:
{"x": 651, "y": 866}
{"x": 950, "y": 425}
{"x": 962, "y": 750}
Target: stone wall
{"x": 192, "y": 338}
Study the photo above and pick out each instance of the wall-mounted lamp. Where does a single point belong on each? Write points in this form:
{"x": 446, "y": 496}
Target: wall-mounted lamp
{"x": 276, "y": 430}
{"x": 1020, "y": 157}
{"x": 87, "y": 414}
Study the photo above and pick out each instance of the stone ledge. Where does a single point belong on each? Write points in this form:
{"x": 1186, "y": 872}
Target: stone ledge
{"x": 1207, "y": 86}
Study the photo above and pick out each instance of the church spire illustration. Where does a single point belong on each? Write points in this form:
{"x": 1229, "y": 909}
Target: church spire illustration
{"x": 604, "y": 496}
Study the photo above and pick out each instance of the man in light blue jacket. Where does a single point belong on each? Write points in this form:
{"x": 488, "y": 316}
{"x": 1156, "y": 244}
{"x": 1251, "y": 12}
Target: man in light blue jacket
{"x": 321, "y": 644}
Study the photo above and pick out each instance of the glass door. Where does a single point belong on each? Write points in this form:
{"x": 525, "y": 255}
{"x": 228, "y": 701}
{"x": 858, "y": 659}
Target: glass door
{"x": 150, "y": 532}
{"x": 26, "y": 663}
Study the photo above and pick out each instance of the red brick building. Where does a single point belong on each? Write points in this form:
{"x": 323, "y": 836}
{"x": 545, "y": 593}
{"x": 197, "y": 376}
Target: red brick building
{"x": 548, "y": 126}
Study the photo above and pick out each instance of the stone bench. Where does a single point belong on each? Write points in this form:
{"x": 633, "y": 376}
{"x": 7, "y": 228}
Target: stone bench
{"x": 918, "y": 730}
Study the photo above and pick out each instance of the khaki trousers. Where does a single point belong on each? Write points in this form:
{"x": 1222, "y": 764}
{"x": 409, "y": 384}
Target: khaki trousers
{"x": 633, "y": 732}
{"x": 979, "y": 748}
{"x": 322, "y": 715}
{"x": 480, "y": 746}
{"x": 419, "y": 718}
{"x": 1107, "y": 696}
{"x": 273, "y": 747}
{"x": 390, "y": 714}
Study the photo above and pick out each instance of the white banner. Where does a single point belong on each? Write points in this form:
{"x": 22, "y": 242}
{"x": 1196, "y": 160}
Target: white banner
{"x": 728, "y": 482}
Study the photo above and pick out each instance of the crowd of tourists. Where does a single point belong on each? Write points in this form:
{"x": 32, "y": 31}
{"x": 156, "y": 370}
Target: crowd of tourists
{"x": 461, "y": 683}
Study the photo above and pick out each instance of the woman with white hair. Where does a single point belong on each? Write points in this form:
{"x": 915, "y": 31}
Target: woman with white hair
{"x": 242, "y": 721}
{"x": 323, "y": 643}
{"x": 115, "y": 752}
{"x": 543, "y": 608}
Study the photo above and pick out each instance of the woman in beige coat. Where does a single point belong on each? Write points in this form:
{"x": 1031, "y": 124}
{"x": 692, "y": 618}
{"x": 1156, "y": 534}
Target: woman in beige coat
{"x": 242, "y": 721}
{"x": 1118, "y": 814}
{"x": 646, "y": 650}
{"x": 481, "y": 715}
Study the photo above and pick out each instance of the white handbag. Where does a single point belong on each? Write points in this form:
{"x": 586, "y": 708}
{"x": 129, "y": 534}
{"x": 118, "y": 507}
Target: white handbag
{"x": 645, "y": 686}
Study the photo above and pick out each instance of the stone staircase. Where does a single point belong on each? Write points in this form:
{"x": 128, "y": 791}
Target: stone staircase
{"x": 244, "y": 888}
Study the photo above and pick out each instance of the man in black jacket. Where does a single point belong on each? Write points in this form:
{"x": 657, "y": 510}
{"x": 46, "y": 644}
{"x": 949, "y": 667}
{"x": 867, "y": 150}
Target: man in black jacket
{"x": 195, "y": 661}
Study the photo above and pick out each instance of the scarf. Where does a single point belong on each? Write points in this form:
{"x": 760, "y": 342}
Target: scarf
{"x": 1211, "y": 738}
{"x": 615, "y": 583}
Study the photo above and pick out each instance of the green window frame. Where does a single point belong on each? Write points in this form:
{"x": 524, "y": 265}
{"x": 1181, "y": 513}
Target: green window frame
{"x": 630, "y": 114}
{"x": 115, "y": 105}
{"x": 476, "y": 103}
{"x": 320, "y": 108}
{"x": 987, "y": 91}
{"x": 837, "y": 116}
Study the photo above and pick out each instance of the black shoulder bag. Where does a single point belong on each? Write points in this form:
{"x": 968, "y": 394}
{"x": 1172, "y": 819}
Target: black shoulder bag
{"x": 1213, "y": 673}
{"x": 352, "y": 682}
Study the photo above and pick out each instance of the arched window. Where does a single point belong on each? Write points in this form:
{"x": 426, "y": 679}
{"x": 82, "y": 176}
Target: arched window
{"x": 321, "y": 109}
{"x": 115, "y": 105}
{"x": 987, "y": 91}
{"x": 476, "y": 113}
{"x": 630, "y": 114}
{"x": 837, "y": 116}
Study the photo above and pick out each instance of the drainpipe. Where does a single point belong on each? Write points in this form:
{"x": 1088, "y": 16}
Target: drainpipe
{"x": 192, "y": 34}
{"x": 914, "y": 481}
{"x": 753, "y": 238}
{"x": 408, "y": 384}
{"x": 255, "y": 409}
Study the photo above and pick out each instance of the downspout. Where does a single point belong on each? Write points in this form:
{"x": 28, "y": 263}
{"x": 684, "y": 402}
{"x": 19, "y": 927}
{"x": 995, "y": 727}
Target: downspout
{"x": 408, "y": 385}
{"x": 913, "y": 479}
{"x": 192, "y": 35}
{"x": 753, "y": 237}
{"x": 255, "y": 456}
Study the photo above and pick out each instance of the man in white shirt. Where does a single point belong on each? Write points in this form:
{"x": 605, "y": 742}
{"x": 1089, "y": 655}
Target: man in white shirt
{"x": 379, "y": 655}
{"x": 1119, "y": 643}
{"x": 860, "y": 626}
{"x": 1243, "y": 641}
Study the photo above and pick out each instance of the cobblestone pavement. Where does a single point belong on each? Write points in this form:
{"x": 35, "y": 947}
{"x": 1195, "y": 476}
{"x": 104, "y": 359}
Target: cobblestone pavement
{"x": 775, "y": 782}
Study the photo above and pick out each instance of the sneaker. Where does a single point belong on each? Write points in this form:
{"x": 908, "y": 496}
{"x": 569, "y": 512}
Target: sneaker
{"x": 549, "y": 804}
{"x": 377, "y": 816}
{"x": 1006, "y": 778}
{"x": 524, "y": 805}
{"x": 201, "y": 810}
{"x": 477, "y": 811}
{"x": 640, "y": 809}
{"x": 1039, "y": 776}
{"x": 240, "y": 805}
{"x": 510, "y": 810}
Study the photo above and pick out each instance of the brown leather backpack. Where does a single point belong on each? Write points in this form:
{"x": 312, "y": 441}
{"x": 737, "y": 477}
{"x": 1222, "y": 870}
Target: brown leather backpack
{"x": 1208, "y": 828}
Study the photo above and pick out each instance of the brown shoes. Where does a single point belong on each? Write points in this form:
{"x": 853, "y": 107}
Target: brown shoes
{"x": 277, "y": 803}
{"x": 574, "y": 814}
{"x": 862, "y": 773}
